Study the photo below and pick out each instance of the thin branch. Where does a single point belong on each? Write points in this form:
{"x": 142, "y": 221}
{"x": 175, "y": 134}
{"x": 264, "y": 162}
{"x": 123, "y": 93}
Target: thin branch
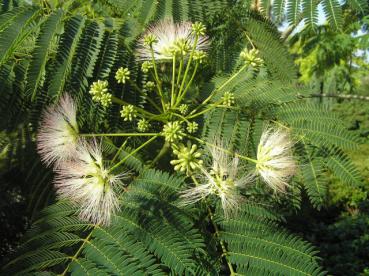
{"x": 341, "y": 96}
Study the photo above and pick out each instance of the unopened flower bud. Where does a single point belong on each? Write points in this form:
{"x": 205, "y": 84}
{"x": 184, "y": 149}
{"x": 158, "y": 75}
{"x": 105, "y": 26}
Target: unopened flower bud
{"x": 188, "y": 158}
{"x": 228, "y": 99}
{"x": 143, "y": 125}
{"x": 146, "y": 66}
{"x": 172, "y": 132}
{"x": 251, "y": 57}
{"x": 192, "y": 127}
{"x": 122, "y": 75}
{"x": 198, "y": 28}
{"x": 149, "y": 39}
{"x": 128, "y": 112}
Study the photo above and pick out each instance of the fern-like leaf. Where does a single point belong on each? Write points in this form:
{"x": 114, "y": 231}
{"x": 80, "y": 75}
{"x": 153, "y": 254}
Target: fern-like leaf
{"x": 256, "y": 243}
{"x": 37, "y": 67}
{"x": 333, "y": 11}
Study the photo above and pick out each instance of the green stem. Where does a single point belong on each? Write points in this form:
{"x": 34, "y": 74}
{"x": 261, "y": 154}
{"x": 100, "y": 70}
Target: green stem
{"x": 222, "y": 86}
{"x": 158, "y": 82}
{"x": 211, "y": 217}
{"x": 143, "y": 94}
{"x": 119, "y": 150}
{"x": 180, "y": 70}
{"x": 182, "y": 117}
{"x": 149, "y": 115}
{"x": 173, "y": 81}
{"x": 204, "y": 111}
{"x": 85, "y": 240}
{"x": 121, "y": 102}
{"x": 188, "y": 64}
{"x": 131, "y": 153}
{"x": 116, "y": 134}
{"x": 223, "y": 149}
{"x": 181, "y": 95}
{"x": 161, "y": 153}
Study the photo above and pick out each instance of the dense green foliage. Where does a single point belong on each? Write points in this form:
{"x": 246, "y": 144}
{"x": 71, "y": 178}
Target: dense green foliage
{"x": 54, "y": 47}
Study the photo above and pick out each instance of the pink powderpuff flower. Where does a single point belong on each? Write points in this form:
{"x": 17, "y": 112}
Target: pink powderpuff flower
{"x": 223, "y": 178}
{"x": 57, "y": 137}
{"x": 170, "y": 39}
{"x": 275, "y": 162}
{"x": 89, "y": 184}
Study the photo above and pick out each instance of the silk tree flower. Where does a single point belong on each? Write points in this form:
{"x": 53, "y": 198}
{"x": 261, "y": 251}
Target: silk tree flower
{"x": 58, "y": 134}
{"x": 89, "y": 184}
{"x": 275, "y": 162}
{"x": 170, "y": 39}
{"x": 223, "y": 178}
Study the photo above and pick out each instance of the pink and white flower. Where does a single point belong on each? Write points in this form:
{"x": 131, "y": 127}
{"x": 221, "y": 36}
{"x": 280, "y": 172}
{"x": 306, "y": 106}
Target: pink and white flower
{"x": 58, "y": 134}
{"x": 171, "y": 38}
{"x": 88, "y": 183}
{"x": 223, "y": 178}
{"x": 275, "y": 162}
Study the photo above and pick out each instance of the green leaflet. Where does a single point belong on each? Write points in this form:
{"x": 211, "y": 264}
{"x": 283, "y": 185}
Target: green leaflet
{"x": 66, "y": 52}
{"x": 255, "y": 242}
{"x": 11, "y": 37}
{"x": 334, "y": 13}
{"x": 293, "y": 11}
{"x": 44, "y": 43}
{"x": 127, "y": 247}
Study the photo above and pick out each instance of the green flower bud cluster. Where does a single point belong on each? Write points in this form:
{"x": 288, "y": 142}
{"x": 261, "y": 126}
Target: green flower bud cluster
{"x": 143, "y": 125}
{"x": 251, "y": 57}
{"x": 192, "y": 127}
{"x": 183, "y": 108}
{"x": 188, "y": 158}
{"x": 198, "y": 28}
{"x": 173, "y": 132}
{"x": 146, "y": 66}
{"x": 228, "y": 99}
{"x": 150, "y": 39}
{"x": 181, "y": 47}
{"x": 150, "y": 85}
{"x": 99, "y": 92}
{"x": 128, "y": 112}
{"x": 199, "y": 56}
{"x": 122, "y": 75}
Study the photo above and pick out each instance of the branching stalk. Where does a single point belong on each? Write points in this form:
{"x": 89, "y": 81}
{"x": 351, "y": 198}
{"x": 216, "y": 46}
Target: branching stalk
{"x": 211, "y": 217}
{"x": 181, "y": 95}
{"x": 172, "y": 98}
{"x": 222, "y": 149}
{"x": 131, "y": 153}
{"x": 189, "y": 63}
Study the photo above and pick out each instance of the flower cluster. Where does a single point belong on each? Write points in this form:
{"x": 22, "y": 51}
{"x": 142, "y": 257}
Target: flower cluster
{"x": 188, "y": 158}
{"x": 222, "y": 178}
{"x": 80, "y": 173}
{"x": 199, "y": 56}
{"x": 146, "y": 66}
{"x": 99, "y": 92}
{"x": 251, "y": 57}
{"x": 183, "y": 108}
{"x": 192, "y": 127}
{"x": 128, "y": 112}
{"x": 228, "y": 99}
{"x": 143, "y": 125}
{"x": 85, "y": 181}
{"x": 84, "y": 178}
{"x": 275, "y": 163}
{"x": 58, "y": 135}
{"x": 150, "y": 85}
{"x": 173, "y": 131}
{"x": 167, "y": 39}
{"x": 122, "y": 75}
